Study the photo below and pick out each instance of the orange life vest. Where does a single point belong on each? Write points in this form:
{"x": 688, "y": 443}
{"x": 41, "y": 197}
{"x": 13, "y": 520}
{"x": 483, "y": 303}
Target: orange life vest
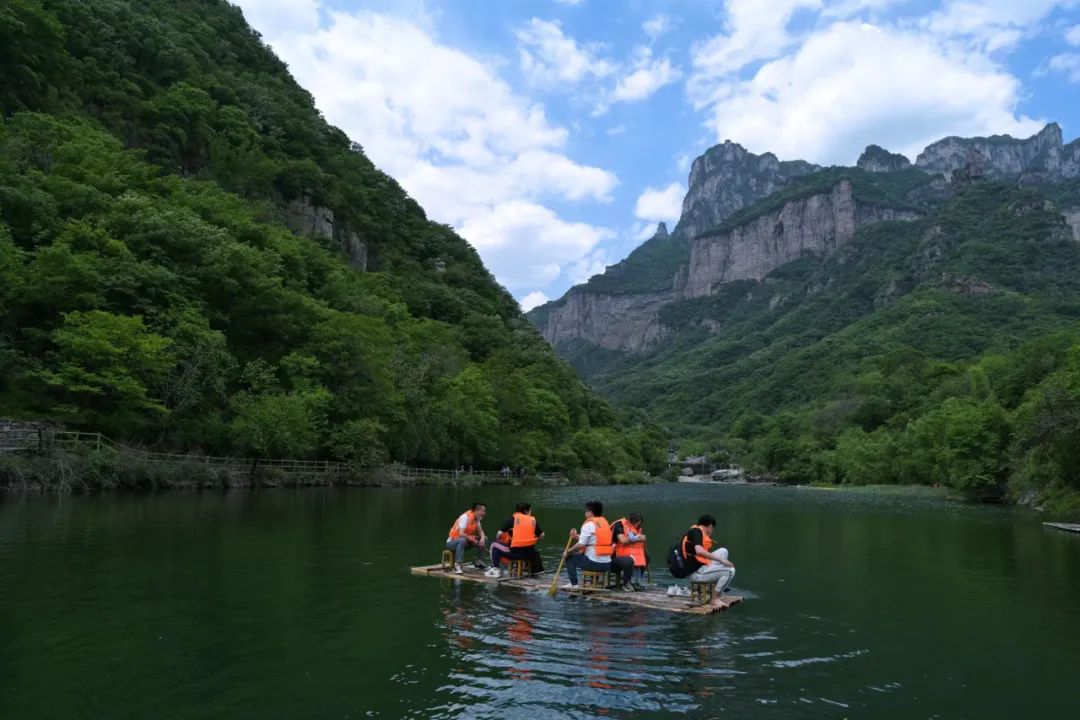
{"x": 635, "y": 550}
{"x": 502, "y": 537}
{"x": 603, "y": 546}
{"x": 706, "y": 542}
{"x": 470, "y": 528}
{"x": 524, "y": 534}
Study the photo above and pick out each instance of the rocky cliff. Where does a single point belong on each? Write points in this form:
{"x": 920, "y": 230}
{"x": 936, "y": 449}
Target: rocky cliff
{"x": 745, "y": 215}
{"x": 727, "y": 178}
{"x": 613, "y": 322}
{"x": 309, "y": 220}
{"x": 815, "y": 225}
{"x": 877, "y": 159}
{"x": 620, "y": 309}
{"x": 1038, "y": 159}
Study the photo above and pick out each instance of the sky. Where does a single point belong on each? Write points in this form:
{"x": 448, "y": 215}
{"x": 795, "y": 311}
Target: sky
{"x": 554, "y": 135}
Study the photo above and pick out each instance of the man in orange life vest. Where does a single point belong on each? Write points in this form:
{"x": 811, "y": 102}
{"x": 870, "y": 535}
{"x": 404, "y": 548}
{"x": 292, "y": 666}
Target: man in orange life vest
{"x": 708, "y": 565}
{"x": 467, "y": 532}
{"x": 517, "y": 540}
{"x": 629, "y": 536}
{"x": 595, "y": 548}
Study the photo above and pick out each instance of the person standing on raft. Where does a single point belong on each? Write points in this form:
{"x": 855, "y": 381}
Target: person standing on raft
{"x": 517, "y": 541}
{"x": 630, "y": 542}
{"x": 708, "y": 565}
{"x": 467, "y": 532}
{"x": 594, "y": 549}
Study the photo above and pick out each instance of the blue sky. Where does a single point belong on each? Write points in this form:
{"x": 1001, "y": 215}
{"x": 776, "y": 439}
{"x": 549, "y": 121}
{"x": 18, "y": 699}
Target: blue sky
{"x": 555, "y": 134}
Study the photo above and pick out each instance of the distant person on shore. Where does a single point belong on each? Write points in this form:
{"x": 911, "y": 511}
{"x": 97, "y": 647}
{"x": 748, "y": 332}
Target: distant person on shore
{"x": 518, "y": 536}
{"x": 467, "y": 532}
{"x": 594, "y": 549}
{"x": 629, "y": 534}
{"x": 708, "y": 565}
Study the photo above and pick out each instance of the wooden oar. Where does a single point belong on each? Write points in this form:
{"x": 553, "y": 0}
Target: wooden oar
{"x": 555, "y": 580}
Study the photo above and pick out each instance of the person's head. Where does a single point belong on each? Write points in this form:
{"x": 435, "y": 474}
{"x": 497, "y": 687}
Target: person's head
{"x": 594, "y": 508}
{"x": 636, "y": 519}
{"x": 524, "y": 508}
{"x": 707, "y": 523}
{"x": 479, "y": 510}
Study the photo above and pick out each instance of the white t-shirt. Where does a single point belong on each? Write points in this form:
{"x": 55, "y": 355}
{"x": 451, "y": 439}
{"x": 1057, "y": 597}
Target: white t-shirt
{"x": 588, "y": 539}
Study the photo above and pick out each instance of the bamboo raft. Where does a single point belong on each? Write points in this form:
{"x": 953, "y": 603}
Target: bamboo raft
{"x": 653, "y": 598}
{"x": 1069, "y": 527}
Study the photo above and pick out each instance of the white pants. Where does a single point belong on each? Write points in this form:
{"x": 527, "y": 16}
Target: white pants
{"x": 722, "y": 574}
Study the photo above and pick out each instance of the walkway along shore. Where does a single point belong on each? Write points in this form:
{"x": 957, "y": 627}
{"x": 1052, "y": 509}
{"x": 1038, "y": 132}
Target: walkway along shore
{"x": 41, "y": 457}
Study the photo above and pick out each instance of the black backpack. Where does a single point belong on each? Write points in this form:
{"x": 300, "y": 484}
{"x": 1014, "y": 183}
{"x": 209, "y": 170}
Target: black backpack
{"x": 676, "y": 561}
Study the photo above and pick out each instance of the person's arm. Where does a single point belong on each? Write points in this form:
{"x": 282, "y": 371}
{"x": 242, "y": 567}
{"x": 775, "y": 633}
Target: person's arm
{"x": 539, "y": 532}
{"x": 621, "y": 534}
{"x": 582, "y": 539}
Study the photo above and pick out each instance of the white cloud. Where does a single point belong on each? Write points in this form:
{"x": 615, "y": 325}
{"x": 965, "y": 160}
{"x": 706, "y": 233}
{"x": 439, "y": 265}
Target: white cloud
{"x": 593, "y": 264}
{"x": 529, "y": 243}
{"x": 532, "y": 300}
{"x": 1068, "y": 64}
{"x": 571, "y": 3}
{"x": 471, "y": 150}
{"x": 852, "y": 84}
{"x": 656, "y": 26}
{"x": 646, "y": 76}
{"x": 990, "y": 24}
{"x": 273, "y": 17}
{"x": 1072, "y": 35}
{"x": 615, "y": 130}
{"x": 656, "y": 204}
{"x": 753, "y": 31}
{"x": 549, "y": 57}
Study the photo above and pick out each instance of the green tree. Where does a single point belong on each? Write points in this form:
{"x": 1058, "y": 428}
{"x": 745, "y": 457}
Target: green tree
{"x": 104, "y": 368}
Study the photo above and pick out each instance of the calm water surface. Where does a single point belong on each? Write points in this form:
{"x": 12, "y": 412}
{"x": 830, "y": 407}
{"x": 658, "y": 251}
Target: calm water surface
{"x": 298, "y": 604}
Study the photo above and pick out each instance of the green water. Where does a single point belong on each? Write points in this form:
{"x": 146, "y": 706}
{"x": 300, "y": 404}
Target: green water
{"x": 298, "y": 604}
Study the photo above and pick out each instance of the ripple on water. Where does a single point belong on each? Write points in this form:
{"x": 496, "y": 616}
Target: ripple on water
{"x": 519, "y": 654}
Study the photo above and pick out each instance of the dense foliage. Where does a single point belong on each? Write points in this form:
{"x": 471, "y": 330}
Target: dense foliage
{"x": 149, "y": 289}
{"x": 945, "y": 350}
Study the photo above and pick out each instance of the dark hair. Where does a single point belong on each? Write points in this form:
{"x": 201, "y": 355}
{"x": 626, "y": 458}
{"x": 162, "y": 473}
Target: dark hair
{"x": 636, "y": 518}
{"x": 595, "y": 507}
{"x": 524, "y": 507}
{"x": 707, "y": 520}
{"x": 477, "y": 505}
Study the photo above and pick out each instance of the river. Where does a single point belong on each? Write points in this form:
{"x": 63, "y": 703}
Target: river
{"x": 299, "y": 604}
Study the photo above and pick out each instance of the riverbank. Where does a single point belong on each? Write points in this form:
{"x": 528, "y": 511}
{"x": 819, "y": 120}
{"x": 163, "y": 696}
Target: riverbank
{"x": 107, "y": 469}
{"x": 931, "y": 491}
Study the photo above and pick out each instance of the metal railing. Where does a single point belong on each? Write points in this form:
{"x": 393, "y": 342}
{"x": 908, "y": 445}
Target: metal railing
{"x": 18, "y": 437}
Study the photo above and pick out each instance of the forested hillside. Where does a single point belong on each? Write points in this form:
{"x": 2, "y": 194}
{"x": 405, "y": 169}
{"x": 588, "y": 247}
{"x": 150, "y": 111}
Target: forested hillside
{"x": 945, "y": 350}
{"x": 150, "y": 156}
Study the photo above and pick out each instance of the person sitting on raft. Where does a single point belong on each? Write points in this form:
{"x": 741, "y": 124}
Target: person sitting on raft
{"x": 709, "y": 565}
{"x": 630, "y": 542}
{"x": 467, "y": 532}
{"x": 518, "y": 536}
{"x": 594, "y": 549}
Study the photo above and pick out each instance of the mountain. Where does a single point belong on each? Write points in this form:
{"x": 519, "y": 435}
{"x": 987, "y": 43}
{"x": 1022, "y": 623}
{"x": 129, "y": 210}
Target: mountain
{"x": 883, "y": 323}
{"x": 192, "y": 258}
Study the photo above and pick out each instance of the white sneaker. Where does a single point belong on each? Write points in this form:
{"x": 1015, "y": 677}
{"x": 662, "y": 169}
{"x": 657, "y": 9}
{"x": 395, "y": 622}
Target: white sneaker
{"x": 492, "y": 572}
{"x": 672, "y": 590}
{"x": 568, "y": 586}
{"x": 684, "y": 591}
{"x": 457, "y": 569}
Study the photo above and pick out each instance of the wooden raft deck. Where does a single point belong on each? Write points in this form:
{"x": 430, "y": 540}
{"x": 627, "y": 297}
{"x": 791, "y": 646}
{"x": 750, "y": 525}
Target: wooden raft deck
{"x": 654, "y": 598}
{"x": 1069, "y": 527}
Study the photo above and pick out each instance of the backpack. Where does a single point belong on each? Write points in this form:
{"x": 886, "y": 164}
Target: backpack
{"x": 676, "y": 561}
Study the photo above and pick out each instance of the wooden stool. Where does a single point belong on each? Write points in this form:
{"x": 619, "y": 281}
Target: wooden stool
{"x": 447, "y": 560}
{"x": 701, "y": 592}
{"x": 596, "y": 579}
{"x": 613, "y": 580}
{"x": 517, "y": 568}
